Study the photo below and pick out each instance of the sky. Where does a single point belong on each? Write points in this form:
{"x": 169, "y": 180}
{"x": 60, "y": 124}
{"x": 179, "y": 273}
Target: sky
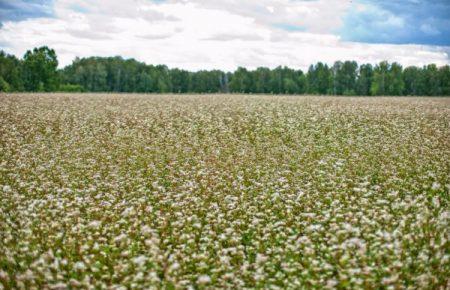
{"x": 226, "y": 34}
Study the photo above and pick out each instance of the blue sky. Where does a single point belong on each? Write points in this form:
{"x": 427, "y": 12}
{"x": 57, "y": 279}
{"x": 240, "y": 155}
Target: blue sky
{"x": 249, "y": 33}
{"x": 17, "y": 10}
{"x": 399, "y": 22}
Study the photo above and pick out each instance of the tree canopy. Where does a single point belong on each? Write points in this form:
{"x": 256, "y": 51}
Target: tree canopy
{"x": 38, "y": 71}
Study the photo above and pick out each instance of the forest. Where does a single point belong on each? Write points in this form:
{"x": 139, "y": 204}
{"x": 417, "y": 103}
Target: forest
{"x": 38, "y": 72}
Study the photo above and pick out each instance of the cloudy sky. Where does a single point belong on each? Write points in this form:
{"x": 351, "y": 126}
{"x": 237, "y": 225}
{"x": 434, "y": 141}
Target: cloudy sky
{"x": 225, "y": 34}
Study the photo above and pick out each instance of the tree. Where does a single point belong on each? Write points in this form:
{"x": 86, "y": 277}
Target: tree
{"x": 364, "y": 80}
{"x": 144, "y": 82}
{"x": 380, "y": 76}
{"x": 180, "y": 80}
{"x": 301, "y": 82}
{"x": 262, "y": 80}
{"x": 10, "y": 73}
{"x": 241, "y": 81}
{"x": 4, "y": 86}
{"x": 395, "y": 80}
{"x": 413, "y": 80}
{"x": 277, "y": 80}
{"x": 431, "y": 80}
{"x": 224, "y": 82}
{"x": 39, "y": 70}
{"x": 337, "y": 78}
{"x": 320, "y": 79}
{"x": 444, "y": 78}
{"x": 344, "y": 77}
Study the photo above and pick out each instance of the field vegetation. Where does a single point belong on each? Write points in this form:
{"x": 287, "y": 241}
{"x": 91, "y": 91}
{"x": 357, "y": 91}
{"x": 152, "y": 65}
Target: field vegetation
{"x": 223, "y": 191}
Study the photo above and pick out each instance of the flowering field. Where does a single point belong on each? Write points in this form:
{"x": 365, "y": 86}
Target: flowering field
{"x": 142, "y": 192}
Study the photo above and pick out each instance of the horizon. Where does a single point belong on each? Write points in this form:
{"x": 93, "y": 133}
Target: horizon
{"x": 254, "y": 34}
{"x": 226, "y": 71}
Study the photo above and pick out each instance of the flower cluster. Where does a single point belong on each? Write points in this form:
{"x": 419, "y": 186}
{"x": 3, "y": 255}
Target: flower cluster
{"x": 199, "y": 192}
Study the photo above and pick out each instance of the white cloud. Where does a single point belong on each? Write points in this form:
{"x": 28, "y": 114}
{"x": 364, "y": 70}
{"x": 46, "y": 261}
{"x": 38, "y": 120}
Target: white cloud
{"x": 205, "y": 34}
{"x": 320, "y": 16}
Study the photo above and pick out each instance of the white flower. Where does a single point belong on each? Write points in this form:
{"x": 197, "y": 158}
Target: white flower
{"x": 435, "y": 186}
{"x": 140, "y": 261}
{"x": 3, "y": 275}
{"x": 80, "y": 266}
{"x": 204, "y": 279}
{"x": 95, "y": 224}
{"x": 389, "y": 280}
{"x": 146, "y": 230}
{"x": 59, "y": 286}
{"x": 260, "y": 259}
{"x": 128, "y": 212}
{"x": 436, "y": 202}
{"x": 174, "y": 267}
{"x": 120, "y": 238}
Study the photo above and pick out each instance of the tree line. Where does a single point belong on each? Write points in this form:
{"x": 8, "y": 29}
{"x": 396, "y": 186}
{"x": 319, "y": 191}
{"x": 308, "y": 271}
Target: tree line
{"x": 38, "y": 72}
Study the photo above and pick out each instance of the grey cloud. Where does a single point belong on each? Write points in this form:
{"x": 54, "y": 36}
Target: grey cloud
{"x": 123, "y": 9}
{"x": 230, "y": 37}
{"x": 153, "y": 16}
{"x": 155, "y": 36}
{"x": 103, "y": 24}
{"x": 318, "y": 16}
{"x": 4, "y": 44}
{"x": 87, "y": 34}
{"x": 279, "y": 36}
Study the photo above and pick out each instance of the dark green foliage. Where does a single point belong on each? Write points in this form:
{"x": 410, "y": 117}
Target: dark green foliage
{"x": 207, "y": 82}
{"x": 364, "y": 80}
{"x": 261, "y": 79}
{"x": 4, "y": 86}
{"x": 396, "y": 84}
{"x": 432, "y": 81}
{"x": 38, "y": 72}
{"x": 380, "y": 79}
{"x": 71, "y": 88}
{"x": 320, "y": 79}
{"x": 444, "y": 78}
{"x": 241, "y": 81}
{"x": 180, "y": 81}
{"x": 413, "y": 79}
{"x": 10, "y": 73}
{"x": 344, "y": 77}
{"x": 388, "y": 80}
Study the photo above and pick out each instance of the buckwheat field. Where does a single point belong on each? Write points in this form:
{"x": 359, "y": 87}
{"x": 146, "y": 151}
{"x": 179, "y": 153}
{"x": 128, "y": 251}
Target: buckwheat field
{"x": 223, "y": 191}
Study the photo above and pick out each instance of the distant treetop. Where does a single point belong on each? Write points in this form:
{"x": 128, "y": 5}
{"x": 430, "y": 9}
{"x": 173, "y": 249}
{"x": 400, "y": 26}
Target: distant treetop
{"x": 37, "y": 71}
